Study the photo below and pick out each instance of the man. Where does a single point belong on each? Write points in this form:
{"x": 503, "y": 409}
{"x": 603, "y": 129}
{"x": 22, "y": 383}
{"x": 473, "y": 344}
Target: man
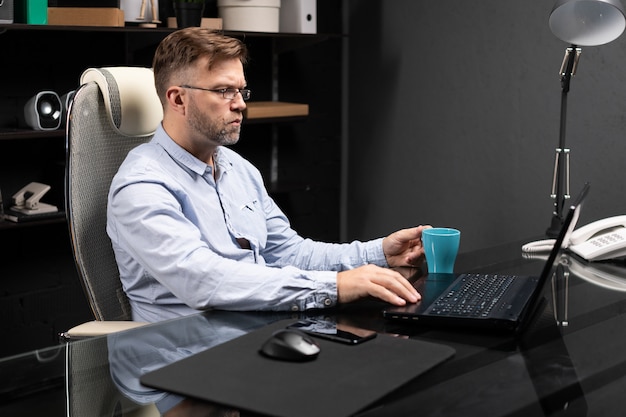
{"x": 192, "y": 224}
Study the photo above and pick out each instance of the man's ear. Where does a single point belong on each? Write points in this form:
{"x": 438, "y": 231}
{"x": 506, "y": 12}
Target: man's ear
{"x": 176, "y": 99}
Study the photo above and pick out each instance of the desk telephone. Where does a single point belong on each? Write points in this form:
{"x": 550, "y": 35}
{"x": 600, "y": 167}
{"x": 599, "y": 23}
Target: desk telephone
{"x": 601, "y": 240}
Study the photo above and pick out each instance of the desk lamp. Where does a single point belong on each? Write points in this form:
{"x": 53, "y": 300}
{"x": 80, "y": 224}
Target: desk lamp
{"x": 579, "y": 23}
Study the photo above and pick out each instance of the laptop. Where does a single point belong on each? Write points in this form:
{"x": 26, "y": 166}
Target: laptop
{"x": 507, "y": 300}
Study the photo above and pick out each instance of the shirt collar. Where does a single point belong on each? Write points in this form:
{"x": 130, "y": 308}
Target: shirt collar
{"x": 186, "y": 159}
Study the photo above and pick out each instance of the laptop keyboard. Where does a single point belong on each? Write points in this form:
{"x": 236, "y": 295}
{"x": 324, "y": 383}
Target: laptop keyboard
{"x": 475, "y": 295}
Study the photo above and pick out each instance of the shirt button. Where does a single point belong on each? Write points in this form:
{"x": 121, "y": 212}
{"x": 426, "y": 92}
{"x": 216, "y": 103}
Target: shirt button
{"x": 294, "y": 308}
{"x": 328, "y": 302}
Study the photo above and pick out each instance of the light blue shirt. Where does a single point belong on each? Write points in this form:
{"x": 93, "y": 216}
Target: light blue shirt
{"x": 174, "y": 228}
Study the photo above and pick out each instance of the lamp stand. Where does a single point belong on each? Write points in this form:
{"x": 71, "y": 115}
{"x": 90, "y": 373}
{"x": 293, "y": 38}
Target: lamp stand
{"x": 560, "y": 178}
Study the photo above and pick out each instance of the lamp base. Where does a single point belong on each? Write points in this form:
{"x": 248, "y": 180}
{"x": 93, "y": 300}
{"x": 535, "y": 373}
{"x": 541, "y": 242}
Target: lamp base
{"x": 555, "y": 227}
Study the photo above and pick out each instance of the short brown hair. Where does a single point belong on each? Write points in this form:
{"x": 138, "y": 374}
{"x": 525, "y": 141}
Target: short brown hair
{"x": 180, "y": 49}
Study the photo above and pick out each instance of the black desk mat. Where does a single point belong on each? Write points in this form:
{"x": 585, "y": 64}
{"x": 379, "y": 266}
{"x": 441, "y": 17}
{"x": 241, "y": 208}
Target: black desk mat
{"x": 341, "y": 381}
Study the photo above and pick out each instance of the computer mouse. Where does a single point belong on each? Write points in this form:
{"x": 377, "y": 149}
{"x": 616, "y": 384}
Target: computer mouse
{"x": 290, "y": 345}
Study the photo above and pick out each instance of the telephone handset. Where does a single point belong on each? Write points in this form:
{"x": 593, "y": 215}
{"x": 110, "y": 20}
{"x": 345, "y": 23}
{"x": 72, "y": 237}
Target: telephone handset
{"x": 601, "y": 240}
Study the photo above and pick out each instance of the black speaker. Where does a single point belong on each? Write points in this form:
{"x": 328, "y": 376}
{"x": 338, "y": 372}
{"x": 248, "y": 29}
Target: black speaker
{"x": 6, "y": 11}
{"x": 44, "y": 111}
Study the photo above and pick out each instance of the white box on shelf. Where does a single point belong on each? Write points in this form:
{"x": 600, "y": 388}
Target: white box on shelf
{"x": 298, "y": 16}
{"x": 250, "y": 15}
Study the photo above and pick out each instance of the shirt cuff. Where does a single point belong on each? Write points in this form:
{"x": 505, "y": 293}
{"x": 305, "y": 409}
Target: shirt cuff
{"x": 374, "y": 253}
{"x": 324, "y": 296}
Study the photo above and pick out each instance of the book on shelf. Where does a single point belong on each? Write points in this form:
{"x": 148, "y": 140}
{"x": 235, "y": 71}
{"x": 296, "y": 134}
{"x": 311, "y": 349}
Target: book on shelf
{"x": 17, "y": 217}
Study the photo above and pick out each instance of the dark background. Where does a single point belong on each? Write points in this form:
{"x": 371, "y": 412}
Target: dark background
{"x": 454, "y": 119}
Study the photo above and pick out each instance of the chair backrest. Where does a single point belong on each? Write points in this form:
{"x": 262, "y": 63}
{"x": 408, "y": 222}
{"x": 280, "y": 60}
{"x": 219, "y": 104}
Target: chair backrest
{"x": 114, "y": 110}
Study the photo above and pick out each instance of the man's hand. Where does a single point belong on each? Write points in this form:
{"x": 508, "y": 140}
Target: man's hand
{"x": 372, "y": 280}
{"x": 404, "y": 247}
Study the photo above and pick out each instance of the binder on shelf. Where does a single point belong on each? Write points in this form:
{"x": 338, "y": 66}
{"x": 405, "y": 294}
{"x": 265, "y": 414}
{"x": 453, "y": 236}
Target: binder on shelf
{"x": 32, "y": 12}
{"x": 270, "y": 109}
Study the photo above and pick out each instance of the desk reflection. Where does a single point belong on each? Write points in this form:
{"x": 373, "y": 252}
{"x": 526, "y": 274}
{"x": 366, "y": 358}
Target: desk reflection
{"x": 132, "y": 354}
{"x": 609, "y": 274}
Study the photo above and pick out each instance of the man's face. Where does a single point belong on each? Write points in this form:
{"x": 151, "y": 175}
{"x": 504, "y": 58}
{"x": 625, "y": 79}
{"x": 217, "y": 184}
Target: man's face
{"x": 211, "y": 117}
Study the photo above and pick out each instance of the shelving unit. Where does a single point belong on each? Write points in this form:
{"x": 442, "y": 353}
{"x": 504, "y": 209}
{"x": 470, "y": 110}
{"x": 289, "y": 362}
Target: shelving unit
{"x": 298, "y": 155}
{"x": 137, "y": 47}
{"x": 136, "y": 42}
{"x": 16, "y": 134}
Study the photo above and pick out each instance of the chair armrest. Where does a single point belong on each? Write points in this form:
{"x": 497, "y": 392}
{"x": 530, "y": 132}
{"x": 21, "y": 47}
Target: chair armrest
{"x": 99, "y": 328}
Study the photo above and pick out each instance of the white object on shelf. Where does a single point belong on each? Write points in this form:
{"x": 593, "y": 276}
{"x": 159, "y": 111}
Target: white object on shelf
{"x": 140, "y": 11}
{"x": 298, "y": 16}
{"x": 250, "y": 15}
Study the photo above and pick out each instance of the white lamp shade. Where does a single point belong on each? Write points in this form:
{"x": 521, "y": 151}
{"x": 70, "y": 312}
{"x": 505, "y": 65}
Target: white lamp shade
{"x": 587, "y": 22}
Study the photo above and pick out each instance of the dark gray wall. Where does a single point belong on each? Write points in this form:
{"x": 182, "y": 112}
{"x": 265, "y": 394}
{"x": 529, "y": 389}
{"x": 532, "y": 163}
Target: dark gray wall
{"x": 454, "y": 119}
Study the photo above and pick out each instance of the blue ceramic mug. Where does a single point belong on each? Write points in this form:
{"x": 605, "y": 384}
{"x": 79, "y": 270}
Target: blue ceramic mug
{"x": 441, "y": 245}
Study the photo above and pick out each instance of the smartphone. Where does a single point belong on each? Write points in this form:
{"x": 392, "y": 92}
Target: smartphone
{"x": 332, "y": 331}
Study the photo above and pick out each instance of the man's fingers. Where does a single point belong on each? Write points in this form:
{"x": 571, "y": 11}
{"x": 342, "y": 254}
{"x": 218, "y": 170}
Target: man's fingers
{"x": 382, "y": 283}
{"x": 392, "y": 283}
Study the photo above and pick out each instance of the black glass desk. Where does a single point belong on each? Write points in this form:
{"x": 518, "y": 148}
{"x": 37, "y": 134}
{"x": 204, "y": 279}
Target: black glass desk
{"x": 572, "y": 361}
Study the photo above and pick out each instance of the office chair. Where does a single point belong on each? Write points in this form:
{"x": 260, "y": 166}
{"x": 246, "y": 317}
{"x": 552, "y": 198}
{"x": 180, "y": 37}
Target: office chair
{"x": 114, "y": 110}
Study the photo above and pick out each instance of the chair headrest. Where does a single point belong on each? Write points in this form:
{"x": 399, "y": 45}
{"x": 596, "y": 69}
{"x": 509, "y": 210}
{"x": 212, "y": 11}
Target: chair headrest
{"x": 130, "y": 98}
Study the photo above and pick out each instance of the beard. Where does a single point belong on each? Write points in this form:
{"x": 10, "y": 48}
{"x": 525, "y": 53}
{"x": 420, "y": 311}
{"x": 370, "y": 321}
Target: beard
{"x": 217, "y": 131}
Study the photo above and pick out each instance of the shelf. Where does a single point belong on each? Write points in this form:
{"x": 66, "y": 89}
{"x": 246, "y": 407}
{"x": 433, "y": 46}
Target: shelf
{"x": 272, "y": 120}
{"x": 160, "y": 29}
{"x": 283, "y": 42}
{"x": 12, "y": 134}
{"x": 134, "y": 29}
{"x": 274, "y": 110}
{"x": 135, "y": 46}
{"x": 7, "y": 225}
{"x": 25, "y": 134}
{"x": 256, "y": 112}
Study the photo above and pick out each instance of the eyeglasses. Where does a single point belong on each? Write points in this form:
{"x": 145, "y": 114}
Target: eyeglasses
{"x": 227, "y": 93}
